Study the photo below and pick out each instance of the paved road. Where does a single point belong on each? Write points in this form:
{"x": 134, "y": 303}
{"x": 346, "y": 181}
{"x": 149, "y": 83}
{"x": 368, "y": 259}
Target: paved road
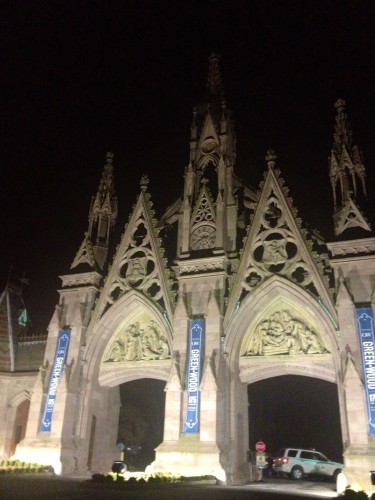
{"x": 23, "y": 487}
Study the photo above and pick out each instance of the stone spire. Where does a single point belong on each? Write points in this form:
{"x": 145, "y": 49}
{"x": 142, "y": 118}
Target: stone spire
{"x": 215, "y": 81}
{"x": 102, "y": 217}
{"x": 347, "y": 174}
{"x": 103, "y": 209}
{"x": 212, "y": 131}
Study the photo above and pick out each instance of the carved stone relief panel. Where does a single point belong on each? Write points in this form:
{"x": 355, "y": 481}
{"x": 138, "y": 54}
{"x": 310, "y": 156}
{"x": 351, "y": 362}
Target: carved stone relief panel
{"x": 275, "y": 250}
{"x": 138, "y": 341}
{"x": 137, "y": 269}
{"x": 282, "y": 333}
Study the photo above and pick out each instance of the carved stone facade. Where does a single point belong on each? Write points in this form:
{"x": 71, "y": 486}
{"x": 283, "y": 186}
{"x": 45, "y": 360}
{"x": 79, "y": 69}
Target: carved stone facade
{"x": 282, "y": 333}
{"x": 275, "y": 299}
{"x": 138, "y": 342}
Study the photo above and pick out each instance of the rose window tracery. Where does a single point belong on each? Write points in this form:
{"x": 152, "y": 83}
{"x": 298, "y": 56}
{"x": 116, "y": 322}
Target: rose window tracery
{"x": 203, "y": 237}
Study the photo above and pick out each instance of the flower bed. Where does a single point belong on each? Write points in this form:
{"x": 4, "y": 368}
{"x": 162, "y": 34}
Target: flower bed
{"x": 17, "y": 466}
{"x": 134, "y": 479}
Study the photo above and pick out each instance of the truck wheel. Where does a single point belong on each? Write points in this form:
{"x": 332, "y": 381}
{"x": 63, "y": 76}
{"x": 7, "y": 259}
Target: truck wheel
{"x": 297, "y": 473}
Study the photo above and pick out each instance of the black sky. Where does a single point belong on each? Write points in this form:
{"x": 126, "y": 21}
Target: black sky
{"x": 81, "y": 78}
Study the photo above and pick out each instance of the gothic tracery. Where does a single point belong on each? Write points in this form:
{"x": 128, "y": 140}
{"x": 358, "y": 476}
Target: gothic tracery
{"x": 275, "y": 249}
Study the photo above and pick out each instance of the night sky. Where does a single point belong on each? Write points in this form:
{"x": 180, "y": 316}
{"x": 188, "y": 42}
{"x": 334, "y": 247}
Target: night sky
{"x": 82, "y": 78}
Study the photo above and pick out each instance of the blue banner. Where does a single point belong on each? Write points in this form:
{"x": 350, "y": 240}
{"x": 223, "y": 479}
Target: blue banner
{"x": 57, "y": 369}
{"x": 365, "y": 320}
{"x": 196, "y": 342}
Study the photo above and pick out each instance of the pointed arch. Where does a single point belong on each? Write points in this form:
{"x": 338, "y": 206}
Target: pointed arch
{"x": 19, "y": 398}
{"x": 275, "y": 296}
{"x": 133, "y": 308}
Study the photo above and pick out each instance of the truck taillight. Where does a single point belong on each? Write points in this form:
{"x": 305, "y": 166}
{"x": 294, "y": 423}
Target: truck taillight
{"x": 285, "y": 460}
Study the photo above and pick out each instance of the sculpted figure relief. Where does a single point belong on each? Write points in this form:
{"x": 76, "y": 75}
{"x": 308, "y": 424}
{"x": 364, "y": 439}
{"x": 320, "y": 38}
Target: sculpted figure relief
{"x": 136, "y": 344}
{"x": 136, "y": 269}
{"x": 283, "y": 334}
{"x": 275, "y": 252}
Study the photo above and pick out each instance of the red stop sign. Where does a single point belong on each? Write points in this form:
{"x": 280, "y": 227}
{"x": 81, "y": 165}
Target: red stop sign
{"x": 260, "y": 446}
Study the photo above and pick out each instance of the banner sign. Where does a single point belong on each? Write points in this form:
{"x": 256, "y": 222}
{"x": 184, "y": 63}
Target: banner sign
{"x": 196, "y": 343}
{"x": 365, "y": 320}
{"x": 57, "y": 369}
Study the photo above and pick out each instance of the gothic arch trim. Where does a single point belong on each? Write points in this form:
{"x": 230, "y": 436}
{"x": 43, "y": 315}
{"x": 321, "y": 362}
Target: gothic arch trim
{"x": 124, "y": 311}
{"x": 128, "y": 373}
{"x": 19, "y": 398}
{"x": 315, "y": 368}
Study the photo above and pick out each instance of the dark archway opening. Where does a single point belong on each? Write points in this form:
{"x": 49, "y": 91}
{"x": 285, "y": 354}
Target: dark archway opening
{"x": 141, "y": 421}
{"x": 294, "y": 411}
{"x": 20, "y": 423}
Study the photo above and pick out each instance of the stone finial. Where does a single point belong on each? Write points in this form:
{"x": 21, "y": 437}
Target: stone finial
{"x": 271, "y": 158}
{"x": 109, "y": 157}
{"x": 340, "y": 104}
{"x": 144, "y": 182}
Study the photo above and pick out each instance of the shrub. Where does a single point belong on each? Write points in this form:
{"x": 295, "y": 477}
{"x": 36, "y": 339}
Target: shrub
{"x": 98, "y": 478}
{"x": 355, "y": 495}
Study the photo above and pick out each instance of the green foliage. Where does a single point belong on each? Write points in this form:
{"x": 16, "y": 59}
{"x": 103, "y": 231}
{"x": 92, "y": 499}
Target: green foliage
{"x": 139, "y": 478}
{"x": 99, "y": 478}
{"x": 17, "y": 466}
{"x": 355, "y": 495}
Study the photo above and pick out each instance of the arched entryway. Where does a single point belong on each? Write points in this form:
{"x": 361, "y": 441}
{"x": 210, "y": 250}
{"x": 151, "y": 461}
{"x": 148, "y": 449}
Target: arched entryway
{"x": 141, "y": 420}
{"x": 295, "y": 411}
{"x": 20, "y": 422}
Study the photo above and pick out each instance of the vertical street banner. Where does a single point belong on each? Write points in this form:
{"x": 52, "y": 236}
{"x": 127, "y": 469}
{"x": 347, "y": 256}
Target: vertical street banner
{"x": 57, "y": 370}
{"x": 365, "y": 320}
{"x": 196, "y": 347}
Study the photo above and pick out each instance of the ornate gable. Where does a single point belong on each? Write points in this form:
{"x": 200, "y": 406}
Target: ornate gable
{"x": 208, "y": 146}
{"x": 85, "y": 254}
{"x": 350, "y": 216}
{"x": 139, "y": 263}
{"x": 277, "y": 245}
{"x": 203, "y": 227}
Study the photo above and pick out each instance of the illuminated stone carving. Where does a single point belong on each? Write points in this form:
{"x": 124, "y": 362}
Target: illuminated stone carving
{"x": 281, "y": 333}
{"x": 275, "y": 250}
{"x": 138, "y": 343}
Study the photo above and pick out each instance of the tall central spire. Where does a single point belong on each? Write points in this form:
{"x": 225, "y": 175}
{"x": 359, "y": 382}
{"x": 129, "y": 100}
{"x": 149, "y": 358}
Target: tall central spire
{"x": 213, "y": 139}
{"x": 215, "y": 81}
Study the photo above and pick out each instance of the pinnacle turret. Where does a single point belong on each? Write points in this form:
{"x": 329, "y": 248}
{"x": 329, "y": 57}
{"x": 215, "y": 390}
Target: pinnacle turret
{"x": 212, "y": 136}
{"x": 102, "y": 217}
{"x": 346, "y": 171}
{"x": 103, "y": 209}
